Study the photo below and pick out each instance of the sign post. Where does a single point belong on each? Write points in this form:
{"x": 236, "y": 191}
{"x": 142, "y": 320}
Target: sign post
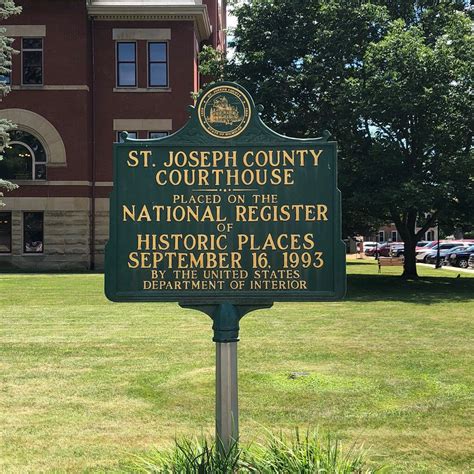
{"x": 226, "y": 318}
{"x": 227, "y": 402}
{"x": 225, "y": 216}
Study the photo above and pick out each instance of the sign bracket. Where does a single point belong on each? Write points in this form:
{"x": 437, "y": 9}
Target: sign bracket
{"x": 226, "y": 316}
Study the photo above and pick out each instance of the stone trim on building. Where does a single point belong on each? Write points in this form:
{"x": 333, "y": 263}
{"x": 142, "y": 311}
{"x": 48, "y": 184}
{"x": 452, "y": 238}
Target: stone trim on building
{"x": 46, "y": 204}
{"x": 51, "y": 88}
{"x": 136, "y": 34}
{"x": 98, "y": 184}
{"x": 66, "y": 234}
{"x": 161, "y": 125}
{"x": 45, "y": 131}
{"x": 133, "y": 11}
{"x": 25, "y": 31}
{"x": 143, "y": 89}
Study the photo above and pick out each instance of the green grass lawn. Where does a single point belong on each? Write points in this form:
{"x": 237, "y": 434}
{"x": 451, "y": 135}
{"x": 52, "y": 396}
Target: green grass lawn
{"x": 86, "y": 382}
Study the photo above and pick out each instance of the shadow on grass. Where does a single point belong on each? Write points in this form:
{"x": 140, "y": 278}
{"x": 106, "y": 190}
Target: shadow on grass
{"x": 426, "y": 290}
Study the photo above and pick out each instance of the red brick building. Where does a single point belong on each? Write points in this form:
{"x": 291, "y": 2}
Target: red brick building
{"x": 389, "y": 233}
{"x": 86, "y": 70}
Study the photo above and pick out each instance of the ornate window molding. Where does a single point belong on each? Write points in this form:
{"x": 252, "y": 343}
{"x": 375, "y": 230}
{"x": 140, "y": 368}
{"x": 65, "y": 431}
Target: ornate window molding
{"x": 45, "y": 131}
{"x": 134, "y": 34}
{"x": 133, "y": 10}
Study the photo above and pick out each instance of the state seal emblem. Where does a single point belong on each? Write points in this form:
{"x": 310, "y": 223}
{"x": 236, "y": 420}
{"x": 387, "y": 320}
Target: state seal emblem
{"x": 224, "y": 112}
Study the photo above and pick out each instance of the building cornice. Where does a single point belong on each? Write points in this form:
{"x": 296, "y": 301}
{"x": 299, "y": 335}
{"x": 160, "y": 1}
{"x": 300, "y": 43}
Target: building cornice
{"x": 196, "y": 13}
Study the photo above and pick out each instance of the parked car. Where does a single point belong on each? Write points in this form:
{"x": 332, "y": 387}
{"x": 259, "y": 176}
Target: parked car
{"x": 421, "y": 256}
{"x": 432, "y": 256}
{"x": 383, "y": 251}
{"x": 471, "y": 261}
{"x": 425, "y": 245}
{"x": 369, "y": 245}
{"x": 387, "y": 249}
{"x": 371, "y": 252}
{"x": 460, "y": 257}
{"x": 397, "y": 249}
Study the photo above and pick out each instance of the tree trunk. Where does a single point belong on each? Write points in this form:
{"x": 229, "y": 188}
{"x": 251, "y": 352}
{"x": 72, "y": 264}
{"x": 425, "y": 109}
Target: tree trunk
{"x": 458, "y": 233}
{"x": 406, "y": 226}
{"x": 409, "y": 267}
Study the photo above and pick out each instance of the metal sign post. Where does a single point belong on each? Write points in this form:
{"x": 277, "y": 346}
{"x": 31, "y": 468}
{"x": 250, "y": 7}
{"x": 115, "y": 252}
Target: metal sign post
{"x": 226, "y": 318}
{"x": 227, "y": 402}
{"x": 226, "y": 336}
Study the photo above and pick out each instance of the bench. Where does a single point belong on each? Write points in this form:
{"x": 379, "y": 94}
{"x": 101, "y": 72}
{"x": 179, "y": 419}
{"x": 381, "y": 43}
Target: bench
{"x": 390, "y": 262}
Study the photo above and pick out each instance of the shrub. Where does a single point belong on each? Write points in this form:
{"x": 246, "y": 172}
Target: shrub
{"x": 308, "y": 454}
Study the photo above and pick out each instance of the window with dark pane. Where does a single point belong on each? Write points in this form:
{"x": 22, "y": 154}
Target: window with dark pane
{"x": 33, "y": 232}
{"x": 126, "y": 64}
{"x": 157, "y": 134}
{"x": 5, "y": 232}
{"x": 133, "y": 135}
{"x": 32, "y": 59}
{"x": 158, "y": 64}
{"x": 24, "y": 158}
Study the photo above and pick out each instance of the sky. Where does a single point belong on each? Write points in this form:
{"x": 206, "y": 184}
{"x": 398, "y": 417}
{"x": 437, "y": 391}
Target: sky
{"x": 231, "y": 24}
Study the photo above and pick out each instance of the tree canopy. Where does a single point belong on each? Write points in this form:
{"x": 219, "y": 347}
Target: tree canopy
{"x": 7, "y": 8}
{"x": 392, "y": 81}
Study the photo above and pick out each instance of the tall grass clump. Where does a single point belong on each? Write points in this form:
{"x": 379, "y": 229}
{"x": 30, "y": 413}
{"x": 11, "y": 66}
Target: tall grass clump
{"x": 187, "y": 457}
{"x": 305, "y": 454}
{"x": 277, "y": 454}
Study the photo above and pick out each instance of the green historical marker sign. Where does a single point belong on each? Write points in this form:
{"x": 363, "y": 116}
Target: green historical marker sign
{"x": 225, "y": 209}
{"x": 225, "y": 216}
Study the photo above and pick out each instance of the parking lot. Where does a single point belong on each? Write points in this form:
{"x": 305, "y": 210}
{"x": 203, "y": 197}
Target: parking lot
{"x": 450, "y": 254}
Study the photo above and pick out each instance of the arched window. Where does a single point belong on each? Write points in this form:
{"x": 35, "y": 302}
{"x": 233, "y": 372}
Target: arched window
{"x": 24, "y": 158}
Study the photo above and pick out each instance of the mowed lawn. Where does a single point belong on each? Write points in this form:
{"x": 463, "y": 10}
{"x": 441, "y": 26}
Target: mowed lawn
{"x": 86, "y": 383}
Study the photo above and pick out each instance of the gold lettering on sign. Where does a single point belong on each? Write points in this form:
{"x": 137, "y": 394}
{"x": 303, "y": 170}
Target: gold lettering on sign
{"x": 161, "y": 213}
{"x": 279, "y": 242}
{"x": 181, "y": 242}
{"x": 284, "y": 213}
{"x": 134, "y": 158}
{"x": 316, "y": 156}
{"x": 180, "y": 260}
{"x": 201, "y": 159}
{"x": 239, "y": 245}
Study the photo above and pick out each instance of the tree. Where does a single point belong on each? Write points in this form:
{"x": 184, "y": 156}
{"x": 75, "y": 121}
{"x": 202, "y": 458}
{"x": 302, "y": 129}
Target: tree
{"x": 417, "y": 96}
{"x": 392, "y": 81}
{"x": 7, "y": 8}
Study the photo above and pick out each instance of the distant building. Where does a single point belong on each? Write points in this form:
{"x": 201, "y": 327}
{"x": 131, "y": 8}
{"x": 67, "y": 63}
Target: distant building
{"x": 389, "y": 233}
{"x": 386, "y": 233}
{"x": 86, "y": 71}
